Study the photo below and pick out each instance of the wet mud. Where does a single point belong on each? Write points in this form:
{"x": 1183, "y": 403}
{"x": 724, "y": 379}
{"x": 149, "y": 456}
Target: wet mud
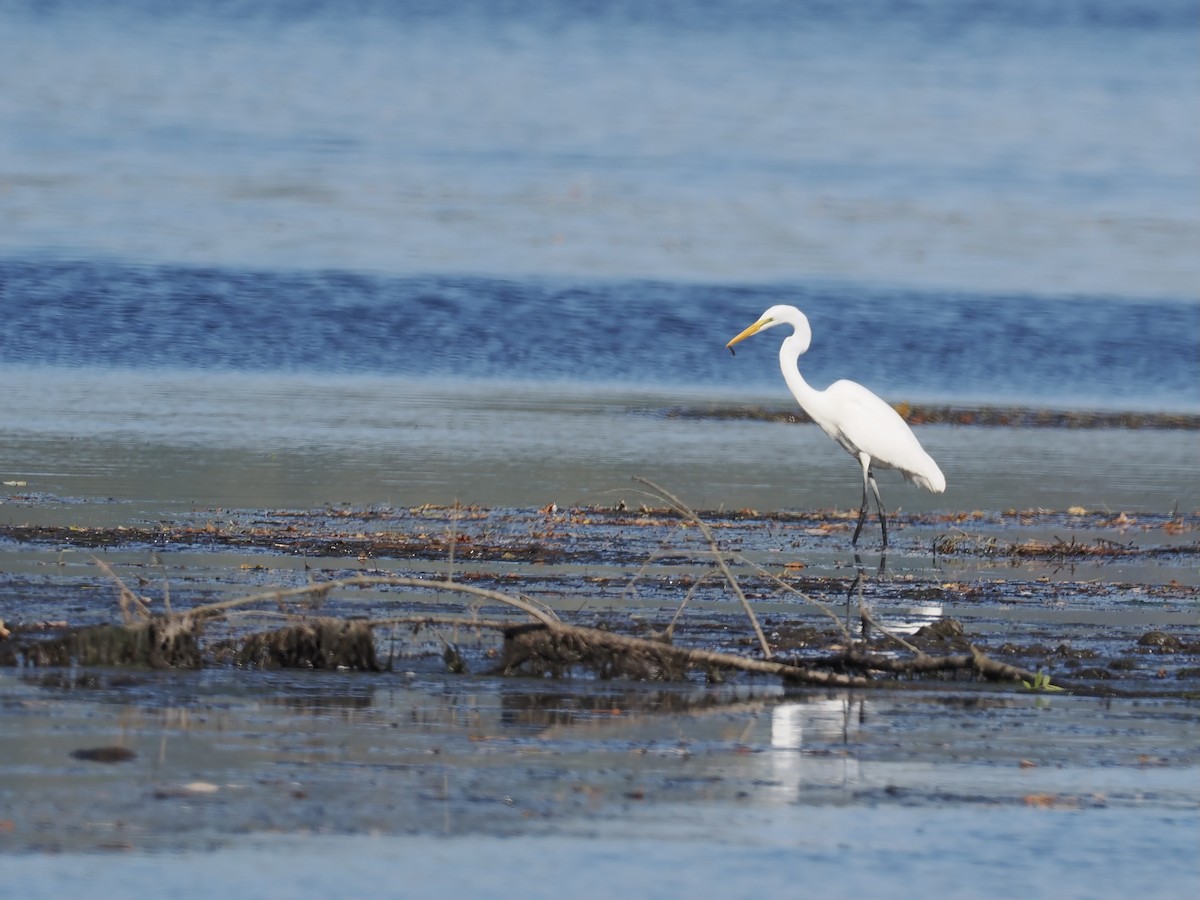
{"x": 1101, "y": 602}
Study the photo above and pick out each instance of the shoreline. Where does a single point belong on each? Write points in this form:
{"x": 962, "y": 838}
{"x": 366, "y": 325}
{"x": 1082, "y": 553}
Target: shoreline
{"x": 983, "y": 416}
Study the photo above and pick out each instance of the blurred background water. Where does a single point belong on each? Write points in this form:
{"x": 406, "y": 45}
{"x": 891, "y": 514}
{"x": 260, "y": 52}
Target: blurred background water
{"x": 974, "y": 201}
{"x": 965, "y": 195}
{"x": 1045, "y": 146}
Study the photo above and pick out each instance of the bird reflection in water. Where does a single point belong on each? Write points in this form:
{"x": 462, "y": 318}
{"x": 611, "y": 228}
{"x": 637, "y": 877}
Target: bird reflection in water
{"x": 811, "y": 741}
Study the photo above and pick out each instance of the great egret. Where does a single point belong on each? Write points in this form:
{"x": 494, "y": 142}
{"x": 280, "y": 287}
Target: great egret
{"x": 866, "y": 427}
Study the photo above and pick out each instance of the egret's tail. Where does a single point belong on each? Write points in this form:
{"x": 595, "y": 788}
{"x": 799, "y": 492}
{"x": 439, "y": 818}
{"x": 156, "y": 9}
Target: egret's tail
{"x": 930, "y": 477}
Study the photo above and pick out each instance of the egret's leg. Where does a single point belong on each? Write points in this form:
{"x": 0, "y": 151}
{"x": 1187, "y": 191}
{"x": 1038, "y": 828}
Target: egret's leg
{"x": 862, "y": 512}
{"x": 857, "y": 585}
{"x": 878, "y": 505}
{"x": 850, "y": 592}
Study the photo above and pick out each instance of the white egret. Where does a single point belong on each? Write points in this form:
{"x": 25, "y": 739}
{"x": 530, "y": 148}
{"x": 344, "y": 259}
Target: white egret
{"x": 863, "y": 424}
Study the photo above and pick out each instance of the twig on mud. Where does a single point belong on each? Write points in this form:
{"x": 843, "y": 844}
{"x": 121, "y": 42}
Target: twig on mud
{"x": 415, "y": 620}
{"x": 627, "y": 591}
{"x": 157, "y": 560}
{"x": 890, "y": 635}
{"x": 128, "y": 601}
{"x": 686, "y": 511}
{"x": 529, "y": 607}
{"x": 766, "y": 573}
{"x": 456, "y": 621}
{"x": 669, "y": 631}
{"x": 453, "y": 542}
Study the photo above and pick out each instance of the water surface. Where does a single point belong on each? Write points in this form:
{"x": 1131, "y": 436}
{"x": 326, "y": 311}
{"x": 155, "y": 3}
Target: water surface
{"x": 1031, "y": 147}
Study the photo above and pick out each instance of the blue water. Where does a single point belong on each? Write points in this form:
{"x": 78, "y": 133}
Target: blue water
{"x": 972, "y": 200}
{"x": 920, "y": 344}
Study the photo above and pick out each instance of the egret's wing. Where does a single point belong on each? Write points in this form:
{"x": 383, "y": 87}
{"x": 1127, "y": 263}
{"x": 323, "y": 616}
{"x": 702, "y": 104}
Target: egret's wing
{"x": 865, "y": 423}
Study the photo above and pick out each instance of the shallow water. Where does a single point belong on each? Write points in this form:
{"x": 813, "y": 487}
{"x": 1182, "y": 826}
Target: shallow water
{"x": 158, "y": 443}
{"x": 836, "y": 852}
{"x": 745, "y": 785}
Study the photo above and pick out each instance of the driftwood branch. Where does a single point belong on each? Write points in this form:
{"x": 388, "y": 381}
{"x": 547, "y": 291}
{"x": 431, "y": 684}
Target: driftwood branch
{"x": 590, "y": 638}
{"x": 529, "y": 607}
{"x": 923, "y": 664}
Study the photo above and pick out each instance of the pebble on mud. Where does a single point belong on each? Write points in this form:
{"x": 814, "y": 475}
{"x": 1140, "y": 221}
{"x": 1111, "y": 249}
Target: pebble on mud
{"x": 1160, "y": 640}
{"x": 104, "y": 754}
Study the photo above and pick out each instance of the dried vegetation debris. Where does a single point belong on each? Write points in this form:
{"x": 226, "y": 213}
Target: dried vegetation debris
{"x": 802, "y": 655}
{"x": 529, "y": 638}
{"x": 158, "y": 642}
{"x": 613, "y": 533}
{"x": 991, "y": 546}
{"x": 980, "y": 416}
{"x": 311, "y": 643}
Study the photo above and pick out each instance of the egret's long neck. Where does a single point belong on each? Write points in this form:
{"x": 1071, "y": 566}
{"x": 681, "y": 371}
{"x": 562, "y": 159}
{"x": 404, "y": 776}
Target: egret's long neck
{"x": 810, "y": 399}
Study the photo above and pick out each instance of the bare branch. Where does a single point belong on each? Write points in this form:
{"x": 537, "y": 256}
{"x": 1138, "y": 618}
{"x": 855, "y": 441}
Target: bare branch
{"x": 129, "y": 602}
{"x": 530, "y": 608}
{"x": 686, "y": 511}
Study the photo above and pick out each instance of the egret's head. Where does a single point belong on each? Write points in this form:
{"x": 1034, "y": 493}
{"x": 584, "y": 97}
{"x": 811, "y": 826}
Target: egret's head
{"x": 776, "y": 315}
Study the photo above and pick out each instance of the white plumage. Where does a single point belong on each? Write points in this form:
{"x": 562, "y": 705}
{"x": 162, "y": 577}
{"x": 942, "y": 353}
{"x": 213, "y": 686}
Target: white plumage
{"x": 864, "y": 425}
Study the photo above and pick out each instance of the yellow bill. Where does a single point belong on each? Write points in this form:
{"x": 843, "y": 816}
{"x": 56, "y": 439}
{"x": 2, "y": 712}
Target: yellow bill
{"x": 749, "y": 332}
